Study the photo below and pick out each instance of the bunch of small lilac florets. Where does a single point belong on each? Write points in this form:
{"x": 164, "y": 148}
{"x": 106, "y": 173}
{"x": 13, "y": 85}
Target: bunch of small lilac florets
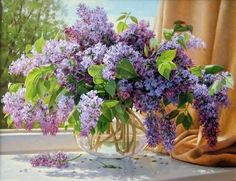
{"x": 97, "y": 73}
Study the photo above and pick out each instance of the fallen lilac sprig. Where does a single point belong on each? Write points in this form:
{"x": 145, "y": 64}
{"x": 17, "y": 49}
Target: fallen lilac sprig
{"x": 58, "y": 160}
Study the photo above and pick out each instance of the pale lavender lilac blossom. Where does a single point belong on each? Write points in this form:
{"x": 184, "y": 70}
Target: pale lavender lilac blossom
{"x": 65, "y": 106}
{"x": 58, "y": 160}
{"x": 91, "y": 28}
{"x": 20, "y": 111}
{"x": 137, "y": 35}
{"x": 90, "y": 110}
{"x": 115, "y": 54}
{"x": 93, "y": 56}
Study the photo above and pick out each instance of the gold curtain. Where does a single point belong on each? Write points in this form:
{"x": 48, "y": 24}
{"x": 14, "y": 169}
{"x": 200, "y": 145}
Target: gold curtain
{"x": 215, "y": 22}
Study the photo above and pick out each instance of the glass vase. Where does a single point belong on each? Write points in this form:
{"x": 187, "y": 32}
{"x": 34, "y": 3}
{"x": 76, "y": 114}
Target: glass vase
{"x": 120, "y": 140}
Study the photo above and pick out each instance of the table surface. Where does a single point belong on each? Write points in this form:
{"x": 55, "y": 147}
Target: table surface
{"x": 146, "y": 166}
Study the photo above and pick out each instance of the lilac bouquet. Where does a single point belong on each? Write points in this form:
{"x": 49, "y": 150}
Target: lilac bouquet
{"x": 97, "y": 77}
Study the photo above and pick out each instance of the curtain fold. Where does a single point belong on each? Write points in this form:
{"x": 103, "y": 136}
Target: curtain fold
{"x": 215, "y": 22}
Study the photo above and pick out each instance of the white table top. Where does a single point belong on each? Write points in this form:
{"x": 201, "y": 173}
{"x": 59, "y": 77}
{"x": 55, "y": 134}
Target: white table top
{"x": 144, "y": 167}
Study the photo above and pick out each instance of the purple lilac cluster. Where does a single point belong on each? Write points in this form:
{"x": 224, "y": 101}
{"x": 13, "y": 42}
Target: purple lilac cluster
{"x": 90, "y": 109}
{"x": 57, "y": 52}
{"x": 64, "y": 107}
{"x": 24, "y": 113}
{"x": 153, "y": 132}
{"x": 93, "y": 56}
{"x": 92, "y": 41}
{"x": 160, "y": 130}
{"x": 125, "y": 89}
{"x": 24, "y": 64}
{"x": 208, "y": 113}
{"x": 209, "y": 106}
{"x": 118, "y": 52}
{"x": 20, "y": 111}
{"x": 193, "y": 42}
{"x": 61, "y": 54}
{"x": 168, "y": 134}
{"x": 50, "y": 120}
{"x": 91, "y": 28}
{"x": 137, "y": 35}
{"x": 58, "y": 160}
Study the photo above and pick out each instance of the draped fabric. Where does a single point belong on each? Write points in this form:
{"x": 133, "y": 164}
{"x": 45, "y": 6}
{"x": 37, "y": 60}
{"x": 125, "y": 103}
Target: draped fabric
{"x": 215, "y": 22}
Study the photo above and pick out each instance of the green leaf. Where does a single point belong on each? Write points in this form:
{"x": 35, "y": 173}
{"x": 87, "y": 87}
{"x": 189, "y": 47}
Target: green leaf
{"x": 108, "y": 113}
{"x": 14, "y": 87}
{"x": 54, "y": 95}
{"x": 74, "y": 119}
{"x": 128, "y": 103}
{"x": 166, "y": 56}
{"x": 81, "y": 88}
{"x": 184, "y": 98}
{"x": 183, "y": 40}
{"x": 121, "y": 27}
{"x": 216, "y": 86}
{"x": 165, "y": 69}
{"x": 100, "y": 88}
{"x": 9, "y": 121}
{"x": 102, "y": 124}
{"x": 47, "y": 84}
{"x": 165, "y": 64}
{"x": 110, "y": 103}
{"x": 121, "y": 17}
{"x": 39, "y": 44}
{"x": 28, "y": 48}
{"x": 110, "y": 87}
{"x": 41, "y": 89}
{"x": 96, "y": 72}
{"x": 213, "y": 69}
{"x": 77, "y": 128}
{"x": 183, "y": 28}
{"x": 180, "y": 119}
{"x": 166, "y": 101}
{"x": 178, "y": 22}
{"x": 145, "y": 50}
{"x": 123, "y": 117}
{"x": 168, "y": 34}
{"x": 125, "y": 70}
{"x": 121, "y": 113}
{"x": 187, "y": 122}
{"x": 172, "y": 65}
{"x": 229, "y": 82}
{"x": 134, "y": 19}
{"x": 196, "y": 71}
{"x": 32, "y": 80}
{"x": 173, "y": 114}
{"x": 153, "y": 43}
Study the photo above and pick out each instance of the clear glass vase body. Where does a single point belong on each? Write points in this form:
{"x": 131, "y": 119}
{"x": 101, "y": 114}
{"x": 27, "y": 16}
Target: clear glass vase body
{"x": 120, "y": 140}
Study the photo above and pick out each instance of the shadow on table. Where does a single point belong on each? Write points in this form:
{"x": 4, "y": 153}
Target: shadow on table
{"x": 88, "y": 167}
